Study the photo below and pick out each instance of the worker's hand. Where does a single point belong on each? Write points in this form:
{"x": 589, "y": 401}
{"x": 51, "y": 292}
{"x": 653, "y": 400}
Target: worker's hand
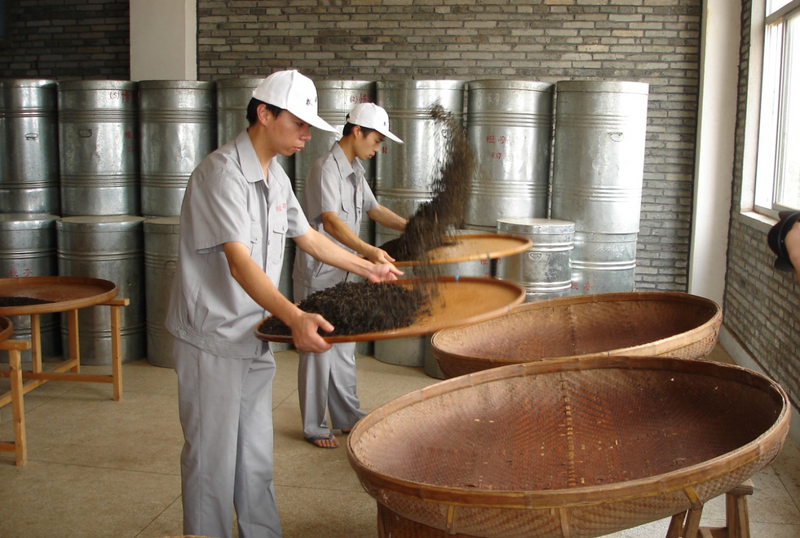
{"x": 378, "y": 255}
{"x": 383, "y": 272}
{"x": 305, "y": 335}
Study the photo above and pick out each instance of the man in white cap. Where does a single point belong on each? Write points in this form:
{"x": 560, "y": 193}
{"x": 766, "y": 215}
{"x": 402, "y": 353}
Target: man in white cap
{"x": 237, "y": 212}
{"x": 335, "y": 197}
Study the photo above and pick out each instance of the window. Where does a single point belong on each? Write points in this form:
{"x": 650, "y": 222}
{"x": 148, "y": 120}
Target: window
{"x": 778, "y": 162}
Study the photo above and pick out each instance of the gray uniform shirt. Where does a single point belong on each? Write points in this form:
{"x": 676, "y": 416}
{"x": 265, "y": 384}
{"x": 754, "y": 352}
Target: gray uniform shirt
{"x": 332, "y": 185}
{"x": 228, "y": 199}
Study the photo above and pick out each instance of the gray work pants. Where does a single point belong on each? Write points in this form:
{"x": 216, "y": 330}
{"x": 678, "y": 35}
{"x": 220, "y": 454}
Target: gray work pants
{"x": 225, "y": 409}
{"x": 326, "y": 383}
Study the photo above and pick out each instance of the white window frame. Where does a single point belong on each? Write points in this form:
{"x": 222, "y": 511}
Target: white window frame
{"x": 769, "y": 161}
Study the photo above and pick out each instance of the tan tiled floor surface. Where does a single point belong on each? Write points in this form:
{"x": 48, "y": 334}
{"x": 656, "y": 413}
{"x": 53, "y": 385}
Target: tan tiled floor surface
{"x": 99, "y": 468}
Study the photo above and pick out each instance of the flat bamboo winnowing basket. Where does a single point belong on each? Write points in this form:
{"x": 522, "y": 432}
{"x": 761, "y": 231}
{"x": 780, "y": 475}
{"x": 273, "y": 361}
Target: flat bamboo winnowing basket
{"x": 670, "y": 324}
{"x": 577, "y": 447}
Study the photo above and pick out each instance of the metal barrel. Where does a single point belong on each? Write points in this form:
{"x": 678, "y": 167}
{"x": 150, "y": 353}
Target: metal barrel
{"x": 336, "y": 98}
{"x": 233, "y": 96}
{"x": 509, "y": 125}
{"x": 29, "y": 147}
{"x": 598, "y": 155}
{"x": 403, "y": 173}
{"x": 111, "y": 248}
{"x": 28, "y": 248}
{"x": 98, "y": 147}
{"x": 603, "y": 263}
{"x": 161, "y": 239}
{"x": 544, "y": 269}
{"x": 178, "y": 128}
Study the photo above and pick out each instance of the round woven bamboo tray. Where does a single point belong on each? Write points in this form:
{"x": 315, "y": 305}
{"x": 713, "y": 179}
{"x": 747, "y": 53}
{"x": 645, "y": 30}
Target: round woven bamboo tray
{"x": 469, "y": 247}
{"x": 460, "y": 301}
{"x": 667, "y": 324}
{"x": 5, "y": 329}
{"x": 576, "y": 447}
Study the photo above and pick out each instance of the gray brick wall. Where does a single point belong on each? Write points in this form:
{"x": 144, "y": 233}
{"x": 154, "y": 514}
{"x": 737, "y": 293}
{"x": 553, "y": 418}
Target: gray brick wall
{"x": 548, "y": 40}
{"x": 61, "y": 39}
{"x": 761, "y": 306}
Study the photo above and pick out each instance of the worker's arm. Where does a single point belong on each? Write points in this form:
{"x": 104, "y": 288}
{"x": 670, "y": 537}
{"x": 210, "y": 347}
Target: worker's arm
{"x": 386, "y": 217}
{"x": 259, "y": 286}
{"x": 326, "y": 251}
{"x": 340, "y": 231}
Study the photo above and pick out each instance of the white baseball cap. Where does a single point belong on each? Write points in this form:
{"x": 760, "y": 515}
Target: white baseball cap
{"x": 372, "y": 116}
{"x": 294, "y": 92}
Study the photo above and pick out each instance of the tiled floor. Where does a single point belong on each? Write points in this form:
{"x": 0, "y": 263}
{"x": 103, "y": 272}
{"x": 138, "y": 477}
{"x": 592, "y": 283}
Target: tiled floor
{"x": 99, "y": 468}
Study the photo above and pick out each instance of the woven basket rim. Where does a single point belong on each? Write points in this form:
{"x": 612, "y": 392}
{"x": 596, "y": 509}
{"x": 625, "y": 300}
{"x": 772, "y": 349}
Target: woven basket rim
{"x": 681, "y": 479}
{"x": 656, "y": 347}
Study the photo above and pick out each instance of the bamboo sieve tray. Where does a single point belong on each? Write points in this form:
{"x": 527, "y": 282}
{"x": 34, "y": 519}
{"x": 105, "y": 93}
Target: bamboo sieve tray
{"x": 578, "y": 447}
{"x": 461, "y": 301}
{"x": 469, "y": 247}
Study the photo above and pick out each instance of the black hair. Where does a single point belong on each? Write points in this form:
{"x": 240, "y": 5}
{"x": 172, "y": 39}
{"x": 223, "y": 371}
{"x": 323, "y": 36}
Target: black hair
{"x": 348, "y": 128}
{"x": 252, "y": 110}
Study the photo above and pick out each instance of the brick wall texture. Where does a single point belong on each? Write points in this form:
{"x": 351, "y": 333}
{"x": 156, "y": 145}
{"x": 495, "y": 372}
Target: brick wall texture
{"x": 761, "y": 306}
{"x": 66, "y": 39}
{"x": 653, "y": 41}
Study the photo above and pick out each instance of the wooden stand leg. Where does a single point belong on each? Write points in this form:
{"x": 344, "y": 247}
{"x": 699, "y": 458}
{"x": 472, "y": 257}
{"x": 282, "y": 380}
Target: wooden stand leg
{"x": 36, "y": 343}
{"x": 676, "y": 525}
{"x": 18, "y": 407}
{"x": 74, "y": 341}
{"x": 19, "y": 446}
{"x": 116, "y": 352}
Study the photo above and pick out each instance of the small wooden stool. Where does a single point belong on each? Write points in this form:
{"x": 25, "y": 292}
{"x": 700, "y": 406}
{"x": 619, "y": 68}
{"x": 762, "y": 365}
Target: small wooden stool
{"x": 737, "y": 520}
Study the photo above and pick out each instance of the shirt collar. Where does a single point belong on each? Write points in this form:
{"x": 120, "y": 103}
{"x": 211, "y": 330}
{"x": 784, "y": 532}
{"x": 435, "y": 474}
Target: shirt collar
{"x": 251, "y": 166}
{"x": 345, "y": 168}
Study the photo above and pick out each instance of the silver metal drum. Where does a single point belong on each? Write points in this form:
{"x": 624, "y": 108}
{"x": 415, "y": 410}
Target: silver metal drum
{"x": 598, "y": 155}
{"x": 178, "y": 128}
{"x": 161, "y": 238}
{"x": 29, "y": 147}
{"x": 98, "y": 147}
{"x": 336, "y": 98}
{"x": 603, "y": 263}
{"x": 403, "y": 173}
{"x": 233, "y": 96}
{"x": 509, "y": 125}
{"x": 544, "y": 269}
{"x": 28, "y": 248}
{"x": 110, "y": 248}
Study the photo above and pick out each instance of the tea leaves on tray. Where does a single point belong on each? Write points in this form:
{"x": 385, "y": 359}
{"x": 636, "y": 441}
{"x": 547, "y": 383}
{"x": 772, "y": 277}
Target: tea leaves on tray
{"x": 21, "y": 301}
{"x": 356, "y": 308}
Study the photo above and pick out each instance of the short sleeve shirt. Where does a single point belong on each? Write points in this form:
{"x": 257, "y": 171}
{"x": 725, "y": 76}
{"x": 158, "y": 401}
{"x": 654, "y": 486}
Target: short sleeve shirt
{"x": 332, "y": 185}
{"x": 227, "y": 199}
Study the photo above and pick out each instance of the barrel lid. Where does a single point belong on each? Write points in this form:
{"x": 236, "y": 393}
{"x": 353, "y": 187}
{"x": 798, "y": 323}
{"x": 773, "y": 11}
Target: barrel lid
{"x": 176, "y": 85}
{"x": 239, "y": 82}
{"x": 422, "y": 84}
{"x": 17, "y": 221}
{"x": 528, "y": 225}
{"x": 162, "y": 224}
{"x": 505, "y": 84}
{"x": 80, "y": 85}
{"x": 602, "y": 86}
{"x": 99, "y": 223}
{"x": 344, "y": 84}
{"x": 26, "y": 82}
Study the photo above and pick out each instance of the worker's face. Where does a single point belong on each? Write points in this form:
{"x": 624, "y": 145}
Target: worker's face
{"x": 367, "y": 146}
{"x": 289, "y": 133}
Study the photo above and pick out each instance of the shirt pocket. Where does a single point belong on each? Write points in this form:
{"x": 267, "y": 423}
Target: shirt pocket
{"x": 349, "y": 213}
{"x": 256, "y": 240}
{"x": 277, "y": 237}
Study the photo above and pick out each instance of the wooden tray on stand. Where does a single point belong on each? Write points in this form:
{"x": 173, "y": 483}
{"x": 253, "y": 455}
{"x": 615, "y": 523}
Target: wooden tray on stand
{"x": 64, "y": 293}
{"x": 461, "y": 301}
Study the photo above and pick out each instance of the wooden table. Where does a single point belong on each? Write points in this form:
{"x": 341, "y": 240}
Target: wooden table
{"x": 65, "y": 294}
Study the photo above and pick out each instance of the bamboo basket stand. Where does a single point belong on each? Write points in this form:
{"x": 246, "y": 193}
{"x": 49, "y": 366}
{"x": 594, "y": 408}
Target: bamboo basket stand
{"x": 570, "y": 448}
{"x": 669, "y": 324}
